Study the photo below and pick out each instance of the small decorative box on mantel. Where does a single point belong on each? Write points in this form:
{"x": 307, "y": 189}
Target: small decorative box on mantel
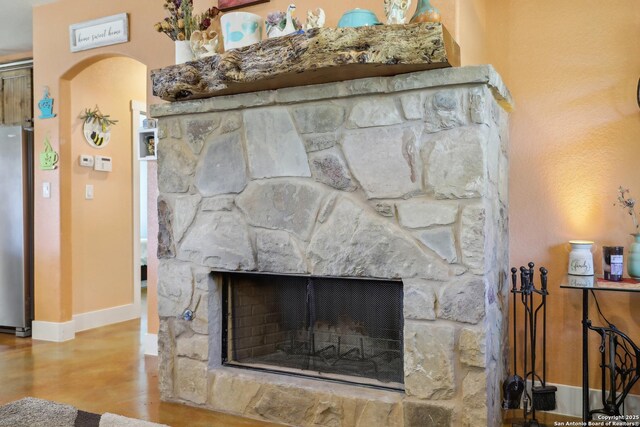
{"x": 320, "y": 55}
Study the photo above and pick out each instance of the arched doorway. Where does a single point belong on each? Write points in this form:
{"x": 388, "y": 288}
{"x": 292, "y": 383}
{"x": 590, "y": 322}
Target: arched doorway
{"x": 98, "y": 251}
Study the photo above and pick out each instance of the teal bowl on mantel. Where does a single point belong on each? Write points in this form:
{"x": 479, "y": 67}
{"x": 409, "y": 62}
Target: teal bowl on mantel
{"x": 358, "y": 18}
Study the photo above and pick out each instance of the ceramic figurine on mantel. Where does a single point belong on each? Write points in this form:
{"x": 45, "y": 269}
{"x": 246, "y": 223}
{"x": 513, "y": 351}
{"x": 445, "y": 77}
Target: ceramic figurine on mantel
{"x": 396, "y": 11}
{"x": 280, "y": 24}
{"x": 204, "y": 43}
{"x": 633, "y": 259}
{"x": 425, "y": 13}
{"x": 315, "y": 19}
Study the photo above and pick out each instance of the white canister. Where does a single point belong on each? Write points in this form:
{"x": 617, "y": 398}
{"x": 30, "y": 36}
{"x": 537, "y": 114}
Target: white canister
{"x": 581, "y": 258}
{"x": 240, "y": 29}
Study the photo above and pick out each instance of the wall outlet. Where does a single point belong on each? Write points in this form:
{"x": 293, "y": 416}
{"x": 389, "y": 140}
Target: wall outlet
{"x": 88, "y": 192}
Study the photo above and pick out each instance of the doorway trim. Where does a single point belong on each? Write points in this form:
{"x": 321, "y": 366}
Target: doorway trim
{"x": 150, "y": 341}
{"x": 137, "y": 109}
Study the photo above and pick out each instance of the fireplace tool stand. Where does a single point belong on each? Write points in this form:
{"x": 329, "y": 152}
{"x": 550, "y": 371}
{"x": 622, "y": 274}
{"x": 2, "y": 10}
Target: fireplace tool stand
{"x": 536, "y": 397}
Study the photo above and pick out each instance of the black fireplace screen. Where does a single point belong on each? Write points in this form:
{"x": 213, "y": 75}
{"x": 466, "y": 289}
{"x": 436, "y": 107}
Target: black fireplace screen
{"x": 331, "y": 327}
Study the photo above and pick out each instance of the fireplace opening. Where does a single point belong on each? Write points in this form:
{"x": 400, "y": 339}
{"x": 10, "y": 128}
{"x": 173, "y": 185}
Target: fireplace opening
{"x": 341, "y": 329}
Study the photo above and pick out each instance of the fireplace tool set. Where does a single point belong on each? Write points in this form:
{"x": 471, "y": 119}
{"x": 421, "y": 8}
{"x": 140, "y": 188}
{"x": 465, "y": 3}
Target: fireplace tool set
{"x": 532, "y": 390}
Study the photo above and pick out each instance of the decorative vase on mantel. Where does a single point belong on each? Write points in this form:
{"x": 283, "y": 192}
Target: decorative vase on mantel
{"x": 183, "y": 51}
{"x": 633, "y": 260}
{"x": 425, "y": 12}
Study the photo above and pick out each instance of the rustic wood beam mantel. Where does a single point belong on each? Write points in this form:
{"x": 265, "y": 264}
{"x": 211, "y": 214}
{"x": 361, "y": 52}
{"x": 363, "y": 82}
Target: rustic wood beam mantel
{"x": 318, "y": 56}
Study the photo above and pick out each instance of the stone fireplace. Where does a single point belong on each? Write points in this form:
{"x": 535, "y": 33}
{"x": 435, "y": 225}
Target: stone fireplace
{"x": 336, "y": 255}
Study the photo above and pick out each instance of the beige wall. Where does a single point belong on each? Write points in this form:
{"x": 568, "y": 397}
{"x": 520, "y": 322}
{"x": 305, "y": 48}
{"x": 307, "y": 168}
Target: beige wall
{"x": 471, "y": 26}
{"x": 56, "y": 67}
{"x": 572, "y": 67}
{"x": 102, "y": 228}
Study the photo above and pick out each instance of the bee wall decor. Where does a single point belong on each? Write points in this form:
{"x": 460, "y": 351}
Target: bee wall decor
{"x": 96, "y": 127}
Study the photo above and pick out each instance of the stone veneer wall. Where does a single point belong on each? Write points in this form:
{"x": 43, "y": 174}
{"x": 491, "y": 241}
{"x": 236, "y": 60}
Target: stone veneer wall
{"x": 396, "y": 177}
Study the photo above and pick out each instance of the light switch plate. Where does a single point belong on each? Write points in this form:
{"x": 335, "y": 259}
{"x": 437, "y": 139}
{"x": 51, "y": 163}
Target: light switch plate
{"x": 46, "y": 190}
{"x": 88, "y": 192}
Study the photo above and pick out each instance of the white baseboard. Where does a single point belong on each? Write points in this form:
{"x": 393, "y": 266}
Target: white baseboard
{"x": 53, "y": 331}
{"x": 65, "y": 331}
{"x": 569, "y": 401}
{"x": 151, "y": 344}
{"x": 108, "y": 316}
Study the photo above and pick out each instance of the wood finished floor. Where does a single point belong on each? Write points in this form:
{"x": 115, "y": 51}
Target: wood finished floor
{"x": 102, "y": 370}
{"x": 105, "y": 370}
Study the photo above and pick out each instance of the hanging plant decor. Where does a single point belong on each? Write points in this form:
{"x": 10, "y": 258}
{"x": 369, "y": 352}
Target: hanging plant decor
{"x": 96, "y": 127}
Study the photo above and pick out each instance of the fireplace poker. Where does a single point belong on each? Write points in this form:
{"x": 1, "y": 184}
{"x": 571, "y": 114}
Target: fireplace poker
{"x": 513, "y": 385}
{"x": 544, "y": 396}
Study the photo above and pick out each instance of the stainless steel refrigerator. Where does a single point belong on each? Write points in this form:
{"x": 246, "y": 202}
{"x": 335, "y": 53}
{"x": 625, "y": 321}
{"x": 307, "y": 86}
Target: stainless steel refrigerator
{"x": 16, "y": 230}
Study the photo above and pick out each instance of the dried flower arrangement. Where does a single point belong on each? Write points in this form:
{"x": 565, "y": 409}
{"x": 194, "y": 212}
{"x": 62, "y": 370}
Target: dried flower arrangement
{"x": 182, "y": 22}
{"x": 90, "y": 116}
{"x": 629, "y": 204}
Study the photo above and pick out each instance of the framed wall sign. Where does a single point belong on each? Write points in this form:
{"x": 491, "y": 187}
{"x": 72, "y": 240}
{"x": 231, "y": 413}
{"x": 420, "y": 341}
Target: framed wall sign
{"x": 235, "y": 4}
{"x": 99, "y": 32}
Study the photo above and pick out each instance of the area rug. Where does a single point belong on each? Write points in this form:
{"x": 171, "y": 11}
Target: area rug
{"x": 32, "y": 412}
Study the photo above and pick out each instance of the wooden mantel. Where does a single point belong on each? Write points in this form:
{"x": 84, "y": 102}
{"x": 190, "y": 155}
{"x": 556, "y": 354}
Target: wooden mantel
{"x": 317, "y": 56}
